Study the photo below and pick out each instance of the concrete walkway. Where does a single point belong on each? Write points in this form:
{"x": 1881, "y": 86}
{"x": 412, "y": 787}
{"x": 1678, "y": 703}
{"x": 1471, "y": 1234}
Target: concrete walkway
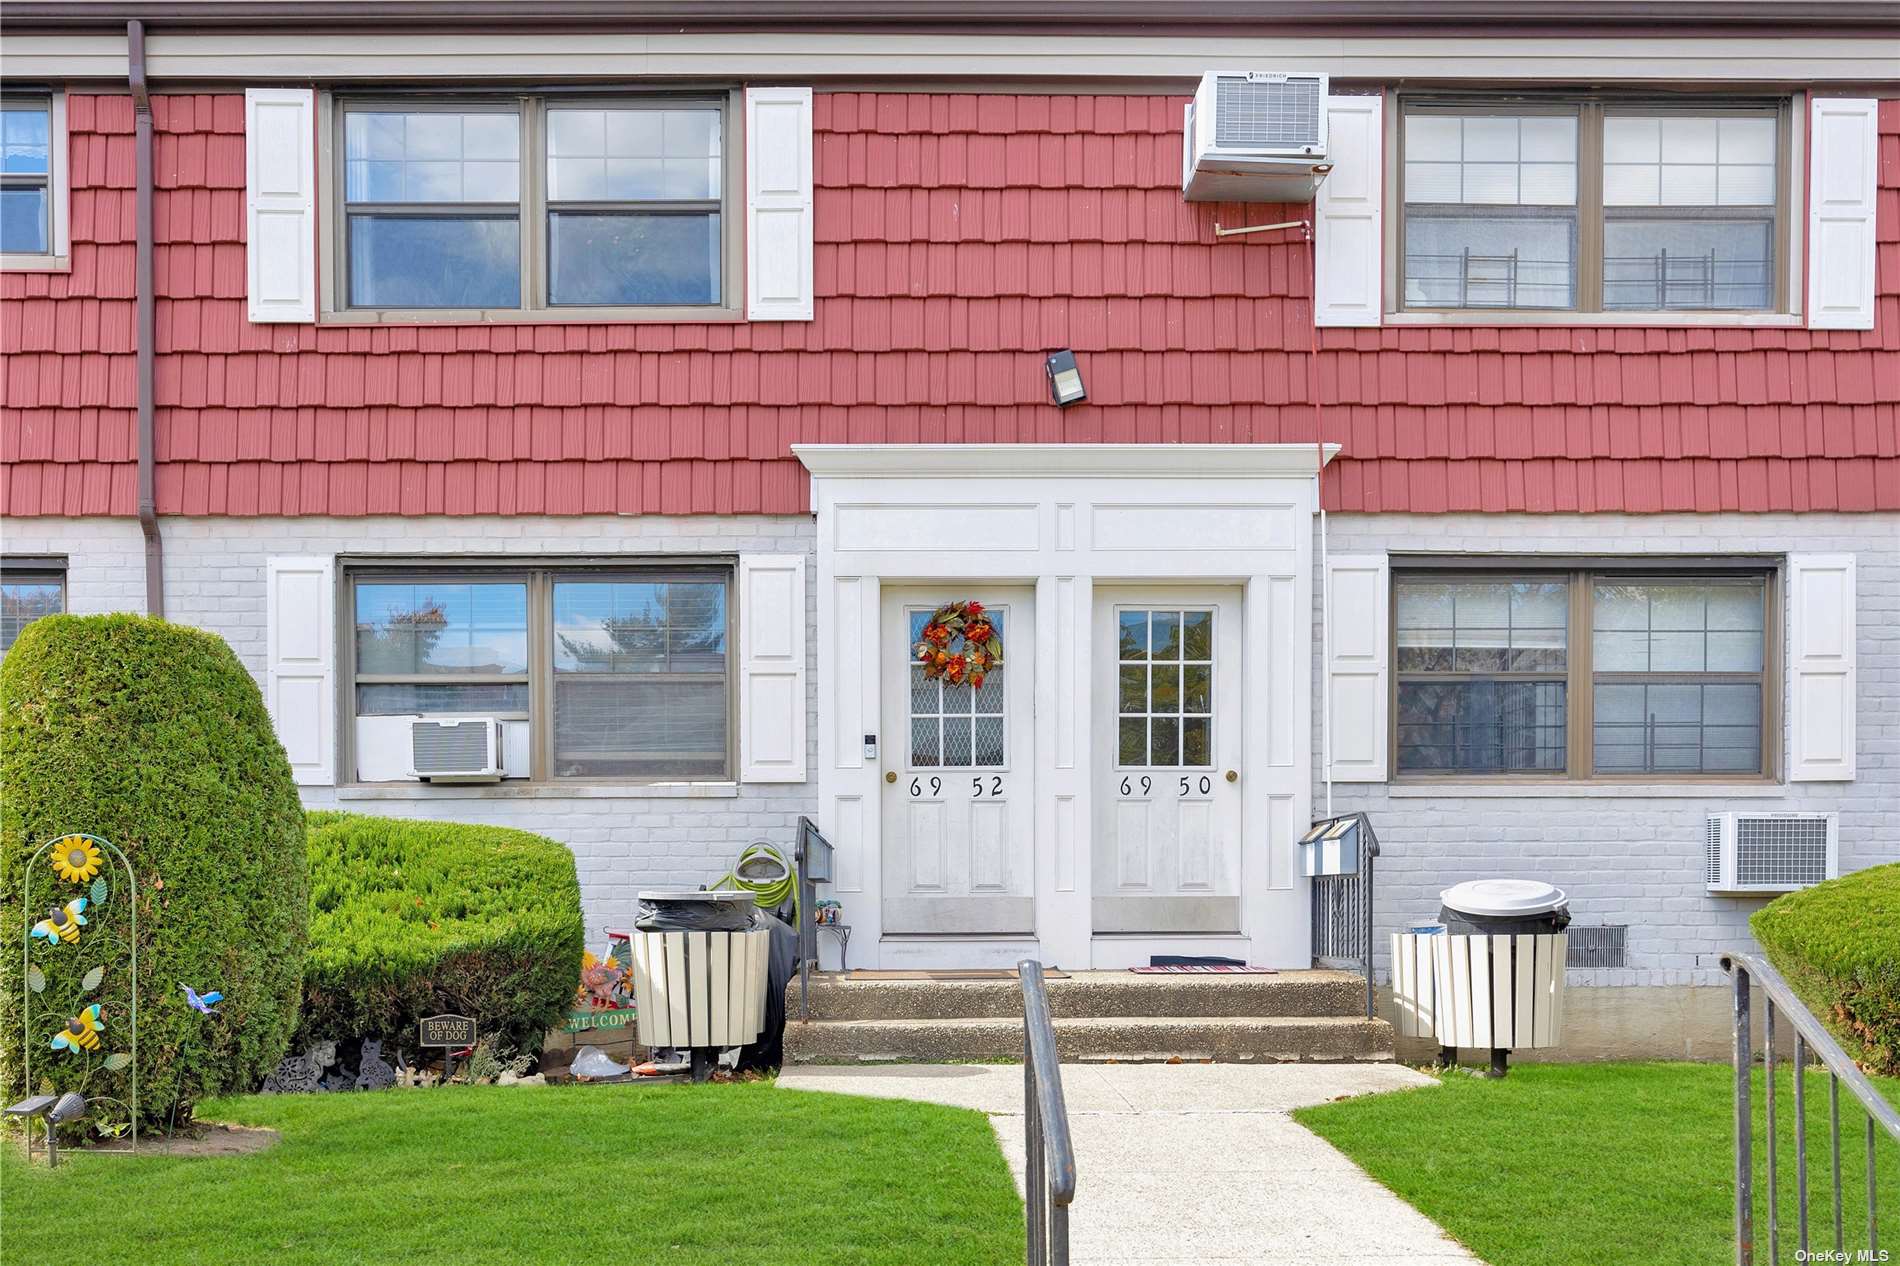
{"x": 1191, "y": 1164}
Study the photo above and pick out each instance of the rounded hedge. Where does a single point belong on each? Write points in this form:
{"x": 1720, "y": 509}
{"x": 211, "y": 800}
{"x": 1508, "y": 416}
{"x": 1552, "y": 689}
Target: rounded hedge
{"x": 1838, "y": 943}
{"x": 413, "y": 918}
{"x": 153, "y": 736}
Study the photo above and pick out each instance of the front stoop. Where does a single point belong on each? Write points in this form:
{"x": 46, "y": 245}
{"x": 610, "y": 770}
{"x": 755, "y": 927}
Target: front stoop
{"x": 1290, "y": 1017}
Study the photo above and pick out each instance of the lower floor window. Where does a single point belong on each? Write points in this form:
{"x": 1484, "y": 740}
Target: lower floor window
{"x": 1582, "y": 672}
{"x": 614, "y": 674}
{"x": 28, "y": 592}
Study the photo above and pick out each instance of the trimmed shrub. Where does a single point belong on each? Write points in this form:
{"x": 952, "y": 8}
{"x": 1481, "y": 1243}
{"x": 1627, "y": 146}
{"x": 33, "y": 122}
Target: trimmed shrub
{"x": 413, "y": 918}
{"x": 1838, "y": 943}
{"x": 155, "y": 737}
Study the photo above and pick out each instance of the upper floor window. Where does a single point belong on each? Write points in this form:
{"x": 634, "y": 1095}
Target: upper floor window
{"x": 1592, "y": 206}
{"x": 27, "y": 201}
{"x": 533, "y": 203}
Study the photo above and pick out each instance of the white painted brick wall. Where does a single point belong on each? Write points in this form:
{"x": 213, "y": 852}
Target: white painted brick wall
{"x": 1632, "y": 858}
{"x": 214, "y": 579}
{"x": 1628, "y": 859}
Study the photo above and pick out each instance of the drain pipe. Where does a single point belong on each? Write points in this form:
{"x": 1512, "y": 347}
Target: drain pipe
{"x": 147, "y": 324}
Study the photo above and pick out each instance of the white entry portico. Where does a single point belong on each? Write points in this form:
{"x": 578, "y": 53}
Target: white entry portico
{"x": 1136, "y": 780}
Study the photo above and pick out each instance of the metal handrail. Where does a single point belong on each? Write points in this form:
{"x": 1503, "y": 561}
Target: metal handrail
{"x": 1809, "y": 1036}
{"x": 1049, "y": 1171}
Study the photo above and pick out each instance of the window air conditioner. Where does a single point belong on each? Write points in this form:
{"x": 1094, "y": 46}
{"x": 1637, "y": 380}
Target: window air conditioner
{"x": 1771, "y": 852}
{"x": 1255, "y": 136}
{"x": 468, "y": 749}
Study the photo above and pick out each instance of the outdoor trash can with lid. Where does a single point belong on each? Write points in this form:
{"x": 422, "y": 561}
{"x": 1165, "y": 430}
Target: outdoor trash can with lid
{"x": 1493, "y": 978}
{"x": 699, "y": 972}
{"x": 1488, "y": 907}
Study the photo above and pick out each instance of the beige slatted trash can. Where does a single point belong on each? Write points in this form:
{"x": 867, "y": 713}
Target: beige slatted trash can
{"x": 700, "y": 991}
{"x": 1498, "y": 991}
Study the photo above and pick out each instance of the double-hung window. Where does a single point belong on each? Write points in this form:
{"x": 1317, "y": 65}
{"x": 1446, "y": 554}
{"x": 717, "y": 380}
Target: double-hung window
{"x": 1592, "y": 205}
{"x": 531, "y": 204}
{"x": 1583, "y": 672}
{"x": 28, "y": 189}
{"x": 616, "y": 674}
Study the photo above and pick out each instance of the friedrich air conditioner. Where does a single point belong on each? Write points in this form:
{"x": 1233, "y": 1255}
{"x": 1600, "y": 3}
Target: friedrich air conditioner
{"x": 469, "y": 749}
{"x": 1255, "y": 136}
{"x": 1771, "y": 852}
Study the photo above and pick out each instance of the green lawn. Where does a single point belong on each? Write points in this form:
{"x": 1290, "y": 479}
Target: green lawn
{"x": 721, "y": 1174}
{"x": 1604, "y": 1163}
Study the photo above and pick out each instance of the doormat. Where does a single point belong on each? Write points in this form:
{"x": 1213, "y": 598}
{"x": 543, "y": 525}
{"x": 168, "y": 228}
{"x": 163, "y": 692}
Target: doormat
{"x": 1204, "y": 969}
{"x": 998, "y": 973}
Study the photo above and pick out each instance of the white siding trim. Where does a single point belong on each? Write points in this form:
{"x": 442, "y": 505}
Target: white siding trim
{"x": 1348, "y": 237}
{"x": 1822, "y": 694}
{"x": 1358, "y": 628}
{"x": 1843, "y": 148}
{"x": 300, "y": 663}
{"x": 778, "y": 209}
{"x": 280, "y": 204}
{"x": 772, "y": 667}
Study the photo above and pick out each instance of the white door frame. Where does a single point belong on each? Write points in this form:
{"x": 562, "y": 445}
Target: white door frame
{"x": 1063, "y": 517}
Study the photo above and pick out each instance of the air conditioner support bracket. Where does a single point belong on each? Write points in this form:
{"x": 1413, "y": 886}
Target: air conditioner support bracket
{"x": 1306, "y": 227}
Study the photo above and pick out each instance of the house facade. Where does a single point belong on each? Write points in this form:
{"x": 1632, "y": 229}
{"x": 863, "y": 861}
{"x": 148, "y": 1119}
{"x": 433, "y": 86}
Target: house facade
{"x": 599, "y": 409}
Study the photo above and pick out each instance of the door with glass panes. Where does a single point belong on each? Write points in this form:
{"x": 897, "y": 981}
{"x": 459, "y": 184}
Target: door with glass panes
{"x": 1167, "y": 856}
{"x": 957, "y": 812}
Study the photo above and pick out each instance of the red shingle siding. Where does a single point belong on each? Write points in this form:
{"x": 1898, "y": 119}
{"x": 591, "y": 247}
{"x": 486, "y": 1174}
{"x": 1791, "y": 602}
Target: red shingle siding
{"x": 958, "y": 238}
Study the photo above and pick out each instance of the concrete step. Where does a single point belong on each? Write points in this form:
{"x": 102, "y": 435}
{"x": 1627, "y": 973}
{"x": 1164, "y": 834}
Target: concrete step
{"x": 1146, "y": 1039}
{"x": 1086, "y": 994}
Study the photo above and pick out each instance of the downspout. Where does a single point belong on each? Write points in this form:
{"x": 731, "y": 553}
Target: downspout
{"x": 146, "y": 334}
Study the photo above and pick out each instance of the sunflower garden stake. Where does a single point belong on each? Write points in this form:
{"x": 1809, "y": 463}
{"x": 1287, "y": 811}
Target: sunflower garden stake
{"x": 80, "y": 962}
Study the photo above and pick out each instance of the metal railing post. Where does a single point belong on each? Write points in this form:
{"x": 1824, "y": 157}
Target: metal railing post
{"x": 1754, "y": 974}
{"x": 1048, "y": 1156}
{"x": 1744, "y": 1127}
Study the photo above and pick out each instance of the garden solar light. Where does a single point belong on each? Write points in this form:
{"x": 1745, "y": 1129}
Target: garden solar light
{"x": 1065, "y": 378}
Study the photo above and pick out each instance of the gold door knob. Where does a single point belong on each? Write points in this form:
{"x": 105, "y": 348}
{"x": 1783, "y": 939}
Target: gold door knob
{"x": 1232, "y": 776}
{"x": 890, "y": 775}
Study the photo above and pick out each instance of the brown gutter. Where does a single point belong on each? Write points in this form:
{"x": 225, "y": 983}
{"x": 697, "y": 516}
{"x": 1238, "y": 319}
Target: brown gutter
{"x": 147, "y": 324}
{"x": 1080, "y": 17}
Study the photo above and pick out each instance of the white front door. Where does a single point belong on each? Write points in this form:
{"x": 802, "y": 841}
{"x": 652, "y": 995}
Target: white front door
{"x": 1167, "y": 747}
{"x": 959, "y": 858}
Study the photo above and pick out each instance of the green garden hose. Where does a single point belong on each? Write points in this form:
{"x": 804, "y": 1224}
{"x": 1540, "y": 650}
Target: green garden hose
{"x": 763, "y": 871}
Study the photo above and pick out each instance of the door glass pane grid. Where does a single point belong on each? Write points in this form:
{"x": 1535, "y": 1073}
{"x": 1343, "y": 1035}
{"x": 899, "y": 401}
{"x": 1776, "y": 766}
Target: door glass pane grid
{"x": 957, "y": 727}
{"x": 1481, "y": 664}
{"x": 1164, "y": 688}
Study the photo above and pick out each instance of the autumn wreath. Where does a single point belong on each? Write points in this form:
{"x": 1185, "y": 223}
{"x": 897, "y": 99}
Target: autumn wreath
{"x": 959, "y": 644}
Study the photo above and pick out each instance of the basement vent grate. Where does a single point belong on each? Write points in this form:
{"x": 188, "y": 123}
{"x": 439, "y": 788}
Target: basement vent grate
{"x": 454, "y": 748}
{"x": 1266, "y": 115}
{"x": 1780, "y": 851}
{"x": 1604, "y": 946}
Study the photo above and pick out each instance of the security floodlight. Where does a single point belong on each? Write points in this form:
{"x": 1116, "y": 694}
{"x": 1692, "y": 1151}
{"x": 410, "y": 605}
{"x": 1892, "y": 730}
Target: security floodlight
{"x": 1065, "y": 379}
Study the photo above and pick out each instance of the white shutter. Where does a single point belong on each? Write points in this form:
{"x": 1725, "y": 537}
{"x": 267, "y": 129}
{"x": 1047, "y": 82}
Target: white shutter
{"x": 300, "y": 664}
{"x": 772, "y": 667}
{"x": 1821, "y": 667}
{"x": 1349, "y": 242}
{"x": 1357, "y": 627}
{"x": 280, "y": 203}
{"x": 778, "y": 188}
{"x": 1842, "y": 140}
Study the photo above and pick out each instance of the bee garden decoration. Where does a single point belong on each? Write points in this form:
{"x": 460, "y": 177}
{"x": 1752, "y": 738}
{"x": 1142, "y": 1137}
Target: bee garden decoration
{"x": 79, "y": 958}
